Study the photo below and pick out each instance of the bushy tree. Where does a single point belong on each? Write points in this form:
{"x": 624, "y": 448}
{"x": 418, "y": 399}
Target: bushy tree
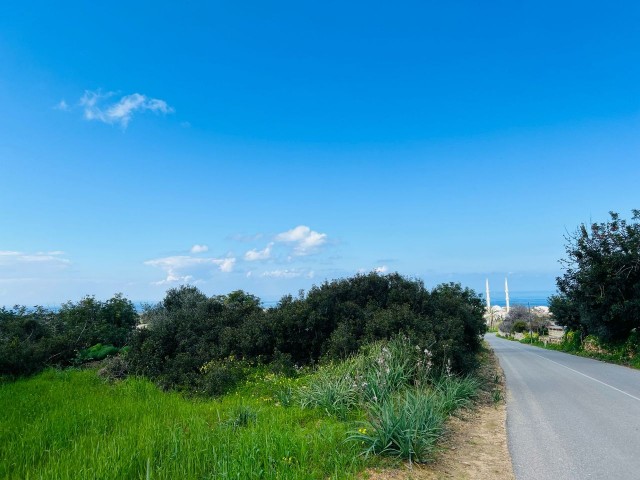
{"x": 188, "y": 329}
{"x": 192, "y": 339}
{"x": 600, "y": 288}
{"x": 31, "y": 339}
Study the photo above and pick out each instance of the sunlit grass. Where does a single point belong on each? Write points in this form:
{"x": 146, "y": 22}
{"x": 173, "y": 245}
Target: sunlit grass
{"x": 71, "y": 424}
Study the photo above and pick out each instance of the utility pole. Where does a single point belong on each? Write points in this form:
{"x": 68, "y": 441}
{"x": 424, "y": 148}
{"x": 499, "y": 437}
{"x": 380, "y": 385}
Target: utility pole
{"x": 530, "y": 327}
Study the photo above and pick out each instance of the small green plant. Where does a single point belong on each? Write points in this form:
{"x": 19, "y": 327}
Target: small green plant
{"x": 386, "y": 368}
{"x": 456, "y": 392}
{"x": 496, "y": 396}
{"x": 406, "y": 425}
{"x": 333, "y": 389}
{"x": 242, "y": 416}
{"x": 285, "y": 395}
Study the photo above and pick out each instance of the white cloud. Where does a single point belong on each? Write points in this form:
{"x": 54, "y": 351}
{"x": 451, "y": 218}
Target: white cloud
{"x": 62, "y": 105}
{"x": 199, "y": 248}
{"x": 305, "y": 240}
{"x": 227, "y": 264}
{"x": 244, "y": 238}
{"x": 254, "y": 254}
{"x": 286, "y": 273}
{"x": 13, "y": 258}
{"x": 186, "y": 269}
{"x": 281, "y": 274}
{"x": 121, "y": 111}
{"x": 380, "y": 269}
{"x": 27, "y": 265}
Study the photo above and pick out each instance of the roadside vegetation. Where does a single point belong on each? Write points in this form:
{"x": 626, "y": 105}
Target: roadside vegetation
{"x": 322, "y": 385}
{"x": 626, "y": 353}
{"x": 598, "y": 299}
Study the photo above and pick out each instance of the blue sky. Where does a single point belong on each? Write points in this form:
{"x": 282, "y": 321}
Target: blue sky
{"x": 269, "y": 146}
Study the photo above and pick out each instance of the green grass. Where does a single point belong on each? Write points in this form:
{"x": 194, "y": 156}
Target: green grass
{"x": 405, "y": 405}
{"x": 70, "y": 424}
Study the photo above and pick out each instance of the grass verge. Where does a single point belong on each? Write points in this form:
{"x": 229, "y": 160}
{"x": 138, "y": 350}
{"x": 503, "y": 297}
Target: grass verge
{"x": 71, "y": 425}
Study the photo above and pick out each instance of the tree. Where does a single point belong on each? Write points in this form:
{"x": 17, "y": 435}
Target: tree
{"x": 600, "y": 288}
{"x": 521, "y": 319}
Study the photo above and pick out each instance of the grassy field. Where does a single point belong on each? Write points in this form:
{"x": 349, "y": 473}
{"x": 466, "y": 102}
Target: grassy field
{"x": 71, "y": 424}
{"x": 331, "y": 423}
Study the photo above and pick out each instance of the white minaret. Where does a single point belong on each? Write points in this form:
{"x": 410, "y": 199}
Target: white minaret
{"x": 488, "y": 297}
{"x": 506, "y": 293}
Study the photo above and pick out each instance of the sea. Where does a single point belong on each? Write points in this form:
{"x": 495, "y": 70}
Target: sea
{"x": 531, "y": 298}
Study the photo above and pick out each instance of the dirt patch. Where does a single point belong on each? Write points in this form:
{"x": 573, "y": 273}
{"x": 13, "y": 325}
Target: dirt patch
{"x": 475, "y": 445}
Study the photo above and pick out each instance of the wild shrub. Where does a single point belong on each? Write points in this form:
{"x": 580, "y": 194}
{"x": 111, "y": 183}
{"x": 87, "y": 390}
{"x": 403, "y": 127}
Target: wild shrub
{"x": 329, "y": 324}
{"x": 221, "y": 376}
{"x": 599, "y": 291}
{"x": 32, "y": 339}
{"x": 114, "y": 368}
{"x": 406, "y": 425}
{"x": 385, "y": 368}
{"x": 332, "y": 389}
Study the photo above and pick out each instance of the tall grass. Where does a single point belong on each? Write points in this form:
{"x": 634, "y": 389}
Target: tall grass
{"x": 333, "y": 389}
{"x": 393, "y": 384}
{"x": 71, "y": 425}
{"x": 406, "y": 425}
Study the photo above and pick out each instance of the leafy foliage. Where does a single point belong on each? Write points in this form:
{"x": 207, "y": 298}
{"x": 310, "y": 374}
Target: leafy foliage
{"x": 407, "y": 425}
{"x": 405, "y": 400}
{"x": 333, "y": 321}
{"x": 599, "y": 292}
{"x": 97, "y": 352}
{"x": 33, "y": 339}
{"x": 521, "y": 319}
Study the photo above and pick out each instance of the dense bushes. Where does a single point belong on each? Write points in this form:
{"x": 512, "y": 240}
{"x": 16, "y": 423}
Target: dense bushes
{"x": 205, "y": 344}
{"x": 599, "y": 292}
{"x": 33, "y": 339}
{"x": 189, "y": 330}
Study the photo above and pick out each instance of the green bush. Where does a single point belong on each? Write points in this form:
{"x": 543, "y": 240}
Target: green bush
{"x": 220, "y": 376}
{"x": 332, "y": 322}
{"x": 32, "y": 339}
{"x": 599, "y": 291}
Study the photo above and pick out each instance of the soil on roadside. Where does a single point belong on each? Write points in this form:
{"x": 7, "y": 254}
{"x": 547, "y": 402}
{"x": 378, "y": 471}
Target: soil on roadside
{"x": 475, "y": 445}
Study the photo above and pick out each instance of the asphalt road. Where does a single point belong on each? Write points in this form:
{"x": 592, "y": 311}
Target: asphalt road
{"x": 569, "y": 417}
